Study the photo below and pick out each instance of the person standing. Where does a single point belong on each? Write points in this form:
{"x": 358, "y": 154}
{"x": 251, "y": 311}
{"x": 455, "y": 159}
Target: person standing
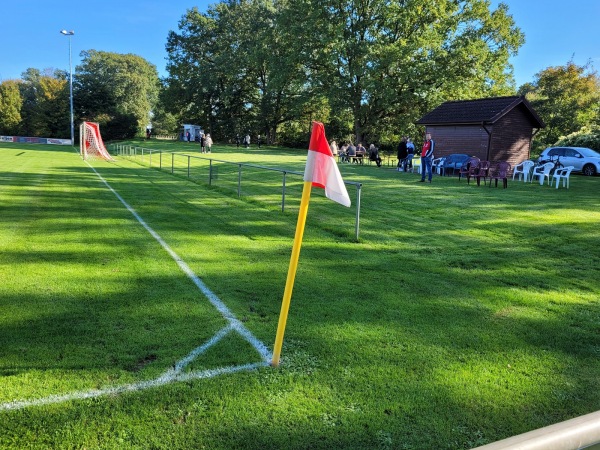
{"x": 402, "y": 154}
{"x": 209, "y": 143}
{"x": 203, "y": 143}
{"x": 258, "y": 140}
{"x": 247, "y": 141}
{"x": 237, "y": 140}
{"x": 410, "y": 148}
{"x": 427, "y": 157}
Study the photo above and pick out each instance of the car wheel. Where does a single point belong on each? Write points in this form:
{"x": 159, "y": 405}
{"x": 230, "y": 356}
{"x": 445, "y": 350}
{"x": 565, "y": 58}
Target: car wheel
{"x": 589, "y": 170}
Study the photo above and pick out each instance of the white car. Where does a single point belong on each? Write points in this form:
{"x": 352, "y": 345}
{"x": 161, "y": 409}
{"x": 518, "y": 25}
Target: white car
{"x": 584, "y": 160}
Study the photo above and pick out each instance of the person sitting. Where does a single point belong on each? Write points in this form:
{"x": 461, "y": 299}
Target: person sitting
{"x": 343, "y": 153}
{"x": 360, "y": 153}
{"x": 351, "y": 153}
{"x": 374, "y": 155}
{"x": 334, "y": 148}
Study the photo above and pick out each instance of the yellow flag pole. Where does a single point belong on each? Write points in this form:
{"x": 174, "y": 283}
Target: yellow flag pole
{"x": 289, "y": 285}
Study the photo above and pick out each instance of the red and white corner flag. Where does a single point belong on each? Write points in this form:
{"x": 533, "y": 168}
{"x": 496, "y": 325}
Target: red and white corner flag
{"x": 321, "y": 168}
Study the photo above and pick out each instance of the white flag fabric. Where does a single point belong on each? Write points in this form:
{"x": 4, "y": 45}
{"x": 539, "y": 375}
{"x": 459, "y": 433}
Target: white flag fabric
{"x": 321, "y": 168}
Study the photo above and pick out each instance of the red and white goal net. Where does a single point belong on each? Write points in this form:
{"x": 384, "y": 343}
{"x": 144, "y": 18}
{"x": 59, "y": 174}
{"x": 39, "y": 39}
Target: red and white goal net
{"x": 90, "y": 142}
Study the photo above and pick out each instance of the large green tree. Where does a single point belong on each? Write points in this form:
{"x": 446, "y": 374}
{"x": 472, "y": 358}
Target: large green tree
{"x": 45, "y": 108}
{"x": 566, "y": 97}
{"x": 231, "y": 69}
{"x": 117, "y": 90}
{"x": 51, "y": 116}
{"x": 366, "y": 67}
{"x": 388, "y": 62}
{"x": 10, "y": 107}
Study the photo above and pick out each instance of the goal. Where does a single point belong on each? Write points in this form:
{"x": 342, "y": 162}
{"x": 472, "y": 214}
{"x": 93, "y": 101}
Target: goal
{"x": 90, "y": 142}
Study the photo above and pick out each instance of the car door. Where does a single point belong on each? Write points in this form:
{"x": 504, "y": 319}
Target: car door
{"x": 572, "y": 158}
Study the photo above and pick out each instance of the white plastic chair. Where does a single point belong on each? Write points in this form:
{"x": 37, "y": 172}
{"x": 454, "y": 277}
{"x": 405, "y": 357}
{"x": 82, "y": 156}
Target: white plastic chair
{"x": 562, "y": 174}
{"x": 523, "y": 170}
{"x": 437, "y": 164}
{"x": 416, "y": 162}
{"x": 542, "y": 172}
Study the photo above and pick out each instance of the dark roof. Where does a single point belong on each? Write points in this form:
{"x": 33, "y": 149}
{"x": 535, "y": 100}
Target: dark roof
{"x": 484, "y": 110}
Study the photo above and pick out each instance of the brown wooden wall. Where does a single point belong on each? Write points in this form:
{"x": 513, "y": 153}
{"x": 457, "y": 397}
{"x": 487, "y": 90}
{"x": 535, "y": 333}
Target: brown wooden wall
{"x": 510, "y": 138}
{"x": 469, "y": 139}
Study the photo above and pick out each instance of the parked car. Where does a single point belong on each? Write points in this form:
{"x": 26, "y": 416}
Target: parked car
{"x": 584, "y": 160}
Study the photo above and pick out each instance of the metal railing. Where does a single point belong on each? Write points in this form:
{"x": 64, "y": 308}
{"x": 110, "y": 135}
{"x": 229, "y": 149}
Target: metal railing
{"x": 578, "y": 433}
{"x": 191, "y": 167}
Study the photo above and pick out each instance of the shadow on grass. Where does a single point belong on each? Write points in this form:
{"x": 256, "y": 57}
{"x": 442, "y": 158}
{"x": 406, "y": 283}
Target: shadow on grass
{"x": 461, "y": 316}
{"x": 19, "y": 146}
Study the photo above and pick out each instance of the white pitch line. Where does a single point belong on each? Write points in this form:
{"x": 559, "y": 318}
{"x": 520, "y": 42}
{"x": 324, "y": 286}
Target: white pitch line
{"x": 198, "y": 351}
{"x": 133, "y": 387}
{"x": 210, "y": 295}
{"x": 174, "y": 374}
{"x": 169, "y": 376}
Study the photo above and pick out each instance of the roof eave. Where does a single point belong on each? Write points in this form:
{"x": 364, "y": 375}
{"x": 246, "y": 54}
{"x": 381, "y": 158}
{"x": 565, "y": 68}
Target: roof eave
{"x": 479, "y": 122}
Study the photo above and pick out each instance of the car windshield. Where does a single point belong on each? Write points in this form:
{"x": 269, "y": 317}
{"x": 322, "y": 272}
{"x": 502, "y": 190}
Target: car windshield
{"x": 589, "y": 152}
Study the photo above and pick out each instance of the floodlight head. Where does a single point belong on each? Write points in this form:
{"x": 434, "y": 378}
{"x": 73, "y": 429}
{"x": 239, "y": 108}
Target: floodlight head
{"x": 67, "y": 33}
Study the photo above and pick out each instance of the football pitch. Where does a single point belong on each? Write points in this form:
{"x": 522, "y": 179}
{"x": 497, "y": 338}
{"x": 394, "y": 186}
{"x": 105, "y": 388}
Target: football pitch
{"x": 138, "y": 308}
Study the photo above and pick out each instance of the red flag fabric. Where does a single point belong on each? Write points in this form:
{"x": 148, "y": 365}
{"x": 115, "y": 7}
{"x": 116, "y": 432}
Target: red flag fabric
{"x": 321, "y": 168}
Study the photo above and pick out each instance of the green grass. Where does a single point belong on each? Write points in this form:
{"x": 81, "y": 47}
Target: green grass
{"x": 462, "y": 315}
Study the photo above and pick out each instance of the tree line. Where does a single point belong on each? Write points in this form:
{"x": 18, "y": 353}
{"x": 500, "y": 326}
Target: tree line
{"x": 368, "y": 69}
{"x": 118, "y": 91}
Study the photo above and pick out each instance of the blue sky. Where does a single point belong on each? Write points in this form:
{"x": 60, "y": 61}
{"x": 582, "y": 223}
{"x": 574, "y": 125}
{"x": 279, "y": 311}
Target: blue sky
{"x": 555, "y": 30}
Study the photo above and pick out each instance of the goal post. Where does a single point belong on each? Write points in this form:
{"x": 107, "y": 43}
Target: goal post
{"x": 90, "y": 142}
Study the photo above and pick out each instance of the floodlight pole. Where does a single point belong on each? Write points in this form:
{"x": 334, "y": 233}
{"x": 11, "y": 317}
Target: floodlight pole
{"x": 69, "y": 34}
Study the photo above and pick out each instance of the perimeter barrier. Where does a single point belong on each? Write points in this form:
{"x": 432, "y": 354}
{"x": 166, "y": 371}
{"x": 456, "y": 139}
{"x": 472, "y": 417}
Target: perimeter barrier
{"x": 241, "y": 178}
{"x": 576, "y": 434}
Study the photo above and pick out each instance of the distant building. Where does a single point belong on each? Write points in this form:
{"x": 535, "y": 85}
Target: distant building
{"x": 492, "y": 129}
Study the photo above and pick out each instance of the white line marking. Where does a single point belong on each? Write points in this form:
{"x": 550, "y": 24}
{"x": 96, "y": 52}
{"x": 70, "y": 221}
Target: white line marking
{"x": 210, "y": 295}
{"x": 174, "y": 374}
{"x": 198, "y": 351}
{"x": 160, "y": 381}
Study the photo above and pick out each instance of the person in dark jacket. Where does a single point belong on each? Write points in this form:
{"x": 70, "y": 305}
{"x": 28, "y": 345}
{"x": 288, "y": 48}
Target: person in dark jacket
{"x": 374, "y": 155}
{"x": 402, "y": 154}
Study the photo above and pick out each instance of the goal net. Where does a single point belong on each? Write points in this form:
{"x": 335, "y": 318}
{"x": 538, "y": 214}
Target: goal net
{"x": 90, "y": 142}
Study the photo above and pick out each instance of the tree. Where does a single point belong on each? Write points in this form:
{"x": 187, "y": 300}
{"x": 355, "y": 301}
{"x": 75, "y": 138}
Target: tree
{"x": 389, "y": 62}
{"x": 232, "y": 69}
{"x": 566, "y": 97}
{"x": 110, "y": 86}
{"x": 368, "y": 67}
{"x": 51, "y": 116}
{"x": 45, "y": 108}
{"x": 10, "y": 106}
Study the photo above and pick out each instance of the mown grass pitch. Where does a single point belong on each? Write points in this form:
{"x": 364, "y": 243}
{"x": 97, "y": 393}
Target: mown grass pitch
{"x": 463, "y": 315}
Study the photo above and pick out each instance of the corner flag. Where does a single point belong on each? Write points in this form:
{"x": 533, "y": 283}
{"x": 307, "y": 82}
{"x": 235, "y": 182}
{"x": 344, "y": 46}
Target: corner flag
{"x": 321, "y": 171}
{"x": 321, "y": 168}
